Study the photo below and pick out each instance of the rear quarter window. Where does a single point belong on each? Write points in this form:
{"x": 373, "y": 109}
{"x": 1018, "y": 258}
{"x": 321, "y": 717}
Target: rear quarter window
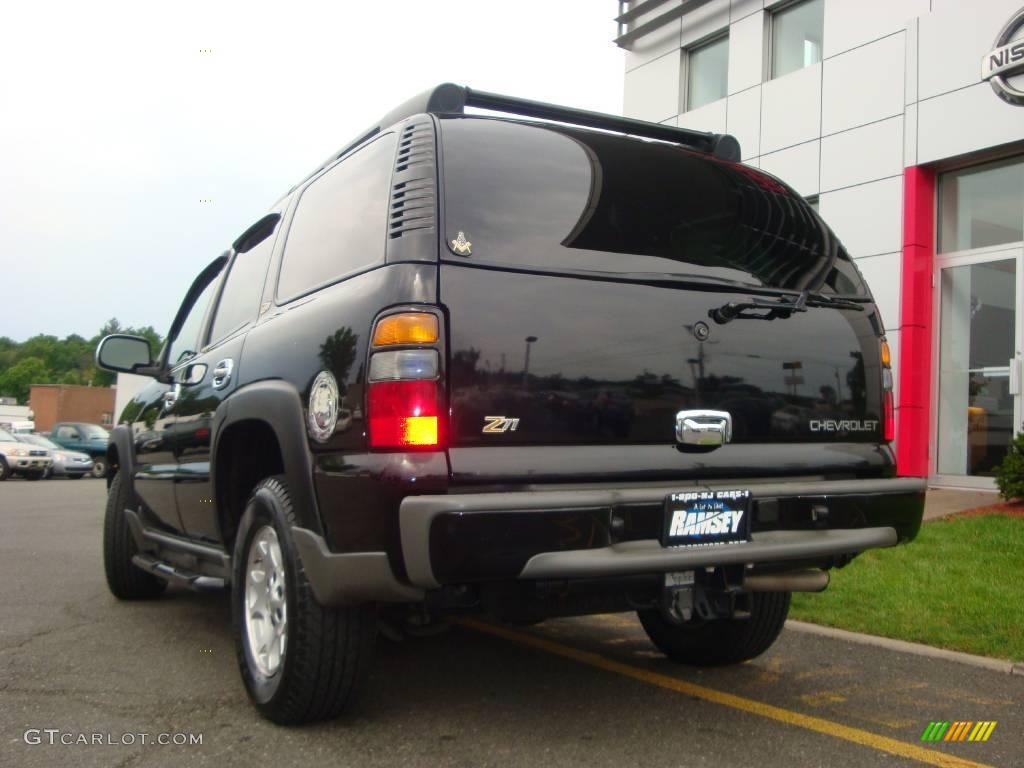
{"x": 339, "y": 227}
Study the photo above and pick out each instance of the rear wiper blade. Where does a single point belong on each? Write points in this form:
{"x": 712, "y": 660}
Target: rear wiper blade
{"x": 782, "y": 307}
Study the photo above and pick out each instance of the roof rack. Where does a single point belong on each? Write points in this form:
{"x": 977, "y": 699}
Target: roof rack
{"x": 448, "y": 98}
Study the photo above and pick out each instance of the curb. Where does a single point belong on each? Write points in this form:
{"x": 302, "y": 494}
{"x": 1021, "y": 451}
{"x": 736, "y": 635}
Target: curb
{"x": 918, "y": 649}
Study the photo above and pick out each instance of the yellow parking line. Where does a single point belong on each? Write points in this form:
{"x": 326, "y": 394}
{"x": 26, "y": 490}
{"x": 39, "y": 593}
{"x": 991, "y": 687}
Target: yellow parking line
{"x": 817, "y": 724}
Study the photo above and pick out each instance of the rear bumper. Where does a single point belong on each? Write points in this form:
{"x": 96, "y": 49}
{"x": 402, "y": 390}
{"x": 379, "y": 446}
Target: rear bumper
{"x": 633, "y": 557}
{"x": 602, "y": 532}
{"x": 567, "y": 534}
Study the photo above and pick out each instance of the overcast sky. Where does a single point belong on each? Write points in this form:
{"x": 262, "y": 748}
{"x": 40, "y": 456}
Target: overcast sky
{"x": 114, "y": 125}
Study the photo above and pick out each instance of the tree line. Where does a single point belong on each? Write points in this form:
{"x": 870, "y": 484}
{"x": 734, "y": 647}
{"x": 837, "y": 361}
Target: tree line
{"x": 45, "y": 359}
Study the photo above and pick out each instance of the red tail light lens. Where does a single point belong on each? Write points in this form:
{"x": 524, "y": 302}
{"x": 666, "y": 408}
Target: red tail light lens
{"x": 888, "y": 417}
{"x": 404, "y": 414}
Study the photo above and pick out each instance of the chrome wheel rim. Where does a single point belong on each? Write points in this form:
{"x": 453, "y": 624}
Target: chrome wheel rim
{"x": 266, "y": 609}
{"x": 99, "y": 469}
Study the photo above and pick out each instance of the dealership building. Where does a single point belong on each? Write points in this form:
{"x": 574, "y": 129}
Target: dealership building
{"x": 902, "y": 121}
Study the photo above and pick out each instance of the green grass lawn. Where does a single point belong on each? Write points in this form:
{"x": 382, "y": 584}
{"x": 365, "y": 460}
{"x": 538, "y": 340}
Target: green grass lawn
{"x": 958, "y": 585}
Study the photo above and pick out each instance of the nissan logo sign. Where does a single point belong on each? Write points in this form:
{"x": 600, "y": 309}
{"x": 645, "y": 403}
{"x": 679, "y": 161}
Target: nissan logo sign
{"x": 1003, "y": 66}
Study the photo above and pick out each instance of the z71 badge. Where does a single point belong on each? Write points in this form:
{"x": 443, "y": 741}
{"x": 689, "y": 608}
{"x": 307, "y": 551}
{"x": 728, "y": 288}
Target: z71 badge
{"x": 500, "y": 424}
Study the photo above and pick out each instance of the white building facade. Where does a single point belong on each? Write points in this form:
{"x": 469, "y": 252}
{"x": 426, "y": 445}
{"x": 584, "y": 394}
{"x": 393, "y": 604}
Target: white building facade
{"x": 878, "y": 111}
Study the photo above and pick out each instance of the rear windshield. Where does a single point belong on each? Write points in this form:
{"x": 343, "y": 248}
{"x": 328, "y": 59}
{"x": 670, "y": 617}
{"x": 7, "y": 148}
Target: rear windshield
{"x": 549, "y": 197}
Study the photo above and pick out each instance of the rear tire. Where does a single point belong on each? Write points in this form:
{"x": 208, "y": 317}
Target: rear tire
{"x": 723, "y": 641}
{"x": 99, "y": 468}
{"x": 300, "y": 661}
{"x": 126, "y": 580}
{"x": 5, "y": 471}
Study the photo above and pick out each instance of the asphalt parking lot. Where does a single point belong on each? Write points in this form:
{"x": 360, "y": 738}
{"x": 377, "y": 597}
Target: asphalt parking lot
{"x": 569, "y": 692}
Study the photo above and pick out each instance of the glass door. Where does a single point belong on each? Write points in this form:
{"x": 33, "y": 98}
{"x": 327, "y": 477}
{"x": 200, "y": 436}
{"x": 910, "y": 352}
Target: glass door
{"x": 979, "y": 408}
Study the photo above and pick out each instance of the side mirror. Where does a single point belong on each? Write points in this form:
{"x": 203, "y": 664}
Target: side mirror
{"x": 125, "y": 354}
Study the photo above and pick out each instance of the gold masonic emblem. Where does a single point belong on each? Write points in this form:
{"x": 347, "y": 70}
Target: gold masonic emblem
{"x": 461, "y": 245}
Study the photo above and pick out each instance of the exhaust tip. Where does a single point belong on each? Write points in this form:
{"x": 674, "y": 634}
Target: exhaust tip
{"x": 793, "y": 581}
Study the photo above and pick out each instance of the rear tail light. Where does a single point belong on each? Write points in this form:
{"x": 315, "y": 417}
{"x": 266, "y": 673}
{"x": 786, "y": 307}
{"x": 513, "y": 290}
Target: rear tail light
{"x": 888, "y": 404}
{"x": 404, "y": 364}
{"x": 406, "y": 328}
{"x": 404, "y": 414}
{"x": 405, "y": 400}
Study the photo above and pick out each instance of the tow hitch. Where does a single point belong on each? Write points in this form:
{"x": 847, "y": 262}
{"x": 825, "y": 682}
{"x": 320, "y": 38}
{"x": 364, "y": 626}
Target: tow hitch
{"x": 724, "y": 593}
{"x": 705, "y": 594}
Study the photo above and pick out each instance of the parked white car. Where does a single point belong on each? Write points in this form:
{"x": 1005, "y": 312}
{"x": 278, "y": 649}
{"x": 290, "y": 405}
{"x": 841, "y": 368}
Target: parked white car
{"x": 17, "y": 458}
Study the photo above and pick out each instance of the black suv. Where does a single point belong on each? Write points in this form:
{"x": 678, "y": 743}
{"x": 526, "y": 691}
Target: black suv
{"x": 563, "y": 364}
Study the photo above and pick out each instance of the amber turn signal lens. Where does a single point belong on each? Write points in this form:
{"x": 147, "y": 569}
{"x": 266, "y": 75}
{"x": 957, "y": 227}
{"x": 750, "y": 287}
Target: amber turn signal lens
{"x": 406, "y": 328}
{"x": 886, "y": 355}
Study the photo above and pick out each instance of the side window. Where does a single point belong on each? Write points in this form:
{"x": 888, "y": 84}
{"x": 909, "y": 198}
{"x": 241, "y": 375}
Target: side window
{"x": 186, "y": 344}
{"x": 340, "y": 225}
{"x": 241, "y": 294}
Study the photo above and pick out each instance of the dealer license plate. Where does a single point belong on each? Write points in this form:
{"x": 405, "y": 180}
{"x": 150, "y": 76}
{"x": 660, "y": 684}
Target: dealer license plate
{"x": 694, "y": 518}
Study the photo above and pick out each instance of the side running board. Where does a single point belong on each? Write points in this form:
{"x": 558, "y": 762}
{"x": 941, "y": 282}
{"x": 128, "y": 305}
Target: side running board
{"x": 213, "y": 565}
{"x": 177, "y": 575}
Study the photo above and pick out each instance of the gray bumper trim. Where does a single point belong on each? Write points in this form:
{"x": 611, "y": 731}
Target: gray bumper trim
{"x": 417, "y": 513}
{"x": 649, "y": 556}
{"x": 349, "y": 578}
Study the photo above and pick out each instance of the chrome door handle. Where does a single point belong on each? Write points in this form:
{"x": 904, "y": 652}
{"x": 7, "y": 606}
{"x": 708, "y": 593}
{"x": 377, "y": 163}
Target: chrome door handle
{"x": 222, "y": 373}
{"x": 171, "y": 397}
{"x": 703, "y": 427}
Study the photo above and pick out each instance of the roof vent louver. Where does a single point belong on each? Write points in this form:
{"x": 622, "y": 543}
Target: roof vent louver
{"x": 413, "y": 205}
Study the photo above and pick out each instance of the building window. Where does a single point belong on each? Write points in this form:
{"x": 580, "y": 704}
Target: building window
{"x": 796, "y": 36}
{"x": 981, "y": 206}
{"x": 707, "y": 73}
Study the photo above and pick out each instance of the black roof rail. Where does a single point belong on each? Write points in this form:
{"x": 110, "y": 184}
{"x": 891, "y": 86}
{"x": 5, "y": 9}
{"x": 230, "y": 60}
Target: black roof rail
{"x": 448, "y": 98}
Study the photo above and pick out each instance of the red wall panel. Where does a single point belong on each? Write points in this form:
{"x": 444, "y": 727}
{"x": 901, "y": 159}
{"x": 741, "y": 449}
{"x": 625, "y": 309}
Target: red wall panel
{"x": 913, "y": 410}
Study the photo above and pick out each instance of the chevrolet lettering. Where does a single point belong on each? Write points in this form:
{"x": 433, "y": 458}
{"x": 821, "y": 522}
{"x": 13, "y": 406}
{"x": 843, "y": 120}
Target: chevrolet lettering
{"x": 844, "y": 425}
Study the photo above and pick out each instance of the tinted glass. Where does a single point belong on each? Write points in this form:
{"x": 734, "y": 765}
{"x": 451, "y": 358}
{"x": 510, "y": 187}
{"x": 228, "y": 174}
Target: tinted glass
{"x": 797, "y": 36}
{"x": 707, "y": 73}
{"x": 241, "y": 296}
{"x": 188, "y": 340}
{"x": 560, "y": 198}
{"x": 981, "y": 206}
{"x": 339, "y": 227}
{"x": 976, "y": 349}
